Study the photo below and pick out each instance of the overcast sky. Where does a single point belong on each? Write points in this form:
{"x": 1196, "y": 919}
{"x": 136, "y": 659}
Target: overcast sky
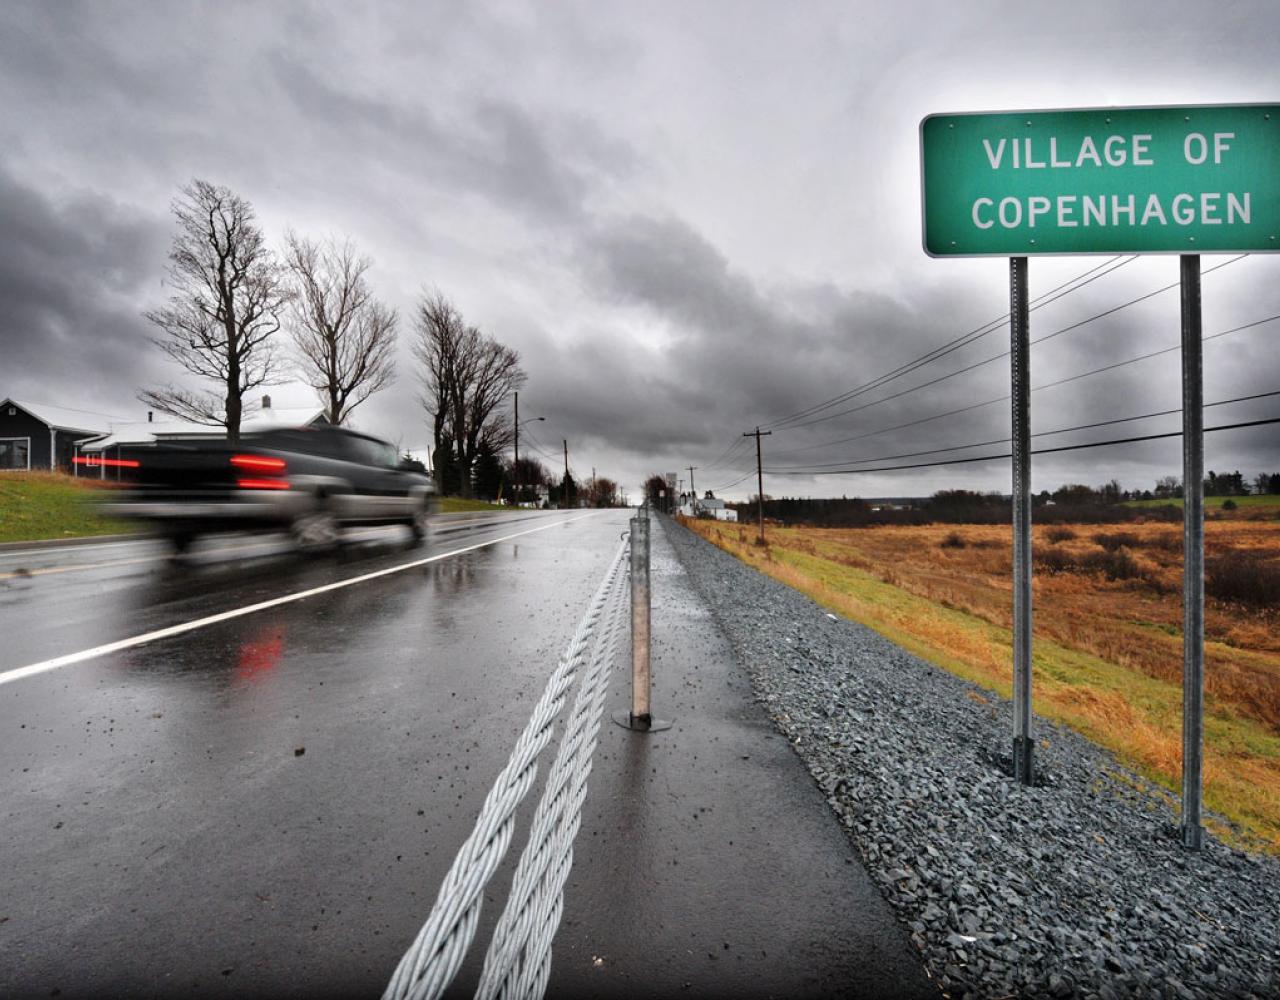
{"x": 688, "y": 218}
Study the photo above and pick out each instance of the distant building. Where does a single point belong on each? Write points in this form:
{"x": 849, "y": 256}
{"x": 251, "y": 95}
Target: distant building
{"x": 96, "y": 456}
{"x": 36, "y": 436}
{"x": 694, "y": 506}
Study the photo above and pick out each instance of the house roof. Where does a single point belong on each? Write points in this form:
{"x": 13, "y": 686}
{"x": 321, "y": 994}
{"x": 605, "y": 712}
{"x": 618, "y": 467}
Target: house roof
{"x": 147, "y": 432}
{"x": 63, "y": 418}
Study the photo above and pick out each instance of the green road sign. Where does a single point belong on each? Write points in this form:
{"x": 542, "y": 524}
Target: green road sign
{"x": 1111, "y": 180}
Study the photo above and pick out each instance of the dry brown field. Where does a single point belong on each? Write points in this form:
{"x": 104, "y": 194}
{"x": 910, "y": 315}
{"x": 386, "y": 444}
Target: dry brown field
{"x": 1107, "y": 623}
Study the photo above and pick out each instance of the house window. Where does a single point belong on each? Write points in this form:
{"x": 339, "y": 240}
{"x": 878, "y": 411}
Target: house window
{"x": 15, "y": 453}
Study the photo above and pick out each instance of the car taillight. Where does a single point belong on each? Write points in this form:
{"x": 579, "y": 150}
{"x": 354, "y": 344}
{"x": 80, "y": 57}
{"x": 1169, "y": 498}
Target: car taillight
{"x": 93, "y": 462}
{"x": 264, "y": 465}
{"x": 259, "y": 463}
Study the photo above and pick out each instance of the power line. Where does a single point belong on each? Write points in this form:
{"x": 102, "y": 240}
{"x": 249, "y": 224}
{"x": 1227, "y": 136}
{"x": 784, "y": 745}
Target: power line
{"x": 729, "y": 486}
{"x": 725, "y": 455}
{"x": 959, "y": 342}
{"x": 541, "y": 449}
{"x": 1046, "y": 385}
{"x": 1005, "y": 354}
{"x": 1036, "y": 451}
{"x": 1061, "y": 430}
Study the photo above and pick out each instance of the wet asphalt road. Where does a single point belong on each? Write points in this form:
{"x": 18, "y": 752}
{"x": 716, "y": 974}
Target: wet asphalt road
{"x": 266, "y": 805}
{"x": 163, "y": 834}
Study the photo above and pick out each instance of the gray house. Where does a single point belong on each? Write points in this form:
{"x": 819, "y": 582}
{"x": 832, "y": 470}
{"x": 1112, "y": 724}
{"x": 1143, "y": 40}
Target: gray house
{"x": 36, "y": 436}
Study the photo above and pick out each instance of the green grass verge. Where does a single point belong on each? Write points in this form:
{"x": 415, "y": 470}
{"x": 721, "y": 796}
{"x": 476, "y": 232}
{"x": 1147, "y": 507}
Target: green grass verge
{"x": 1266, "y": 500}
{"x": 37, "y": 506}
{"x": 457, "y": 505}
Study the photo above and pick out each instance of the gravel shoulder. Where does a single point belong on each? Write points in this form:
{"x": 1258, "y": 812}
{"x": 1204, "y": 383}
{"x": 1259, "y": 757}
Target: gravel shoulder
{"x": 1076, "y": 888}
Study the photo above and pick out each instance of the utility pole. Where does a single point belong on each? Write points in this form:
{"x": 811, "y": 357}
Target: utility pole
{"x": 516, "y": 466}
{"x": 564, "y": 488}
{"x": 758, "y": 434}
{"x": 692, "y": 489}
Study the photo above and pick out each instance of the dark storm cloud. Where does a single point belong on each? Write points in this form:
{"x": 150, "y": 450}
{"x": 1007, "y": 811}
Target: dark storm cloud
{"x": 606, "y": 393}
{"x": 538, "y": 164}
{"x": 744, "y": 354}
{"x": 738, "y": 349}
{"x": 741, "y": 353}
{"x": 71, "y": 274}
{"x": 688, "y": 223}
{"x": 60, "y": 45}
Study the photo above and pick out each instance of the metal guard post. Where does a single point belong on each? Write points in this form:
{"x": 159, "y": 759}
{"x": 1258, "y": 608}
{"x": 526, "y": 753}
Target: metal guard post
{"x": 640, "y": 718}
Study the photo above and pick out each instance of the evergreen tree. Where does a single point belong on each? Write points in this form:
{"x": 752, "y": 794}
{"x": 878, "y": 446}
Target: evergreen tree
{"x": 565, "y": 493}
{"x": 445, "y": 462}
{"x": 487, "y": 477}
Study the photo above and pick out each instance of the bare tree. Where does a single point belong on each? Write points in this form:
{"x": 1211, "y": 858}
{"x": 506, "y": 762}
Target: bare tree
{"x": 601, "y": 492}
{"x": 228, "y": 294}
{"x": 467, "y": 376}
{"x": 344, "y": 337}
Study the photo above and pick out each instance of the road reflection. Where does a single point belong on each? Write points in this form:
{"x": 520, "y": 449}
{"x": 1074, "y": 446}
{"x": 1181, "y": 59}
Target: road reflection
{"x": 259, "y": 653}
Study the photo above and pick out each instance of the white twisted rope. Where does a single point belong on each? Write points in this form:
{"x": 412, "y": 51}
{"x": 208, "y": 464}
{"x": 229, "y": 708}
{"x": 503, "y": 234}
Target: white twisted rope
{"x": 431, "y": 962}
{"x": 548, "y": 905}
{"x": 518, "y": 961}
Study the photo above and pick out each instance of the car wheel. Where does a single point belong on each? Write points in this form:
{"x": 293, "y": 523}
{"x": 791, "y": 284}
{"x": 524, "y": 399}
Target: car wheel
{"x": 420, "y": 525}
{"x": 315, "y": 531}
{"x": 179, "y": 542}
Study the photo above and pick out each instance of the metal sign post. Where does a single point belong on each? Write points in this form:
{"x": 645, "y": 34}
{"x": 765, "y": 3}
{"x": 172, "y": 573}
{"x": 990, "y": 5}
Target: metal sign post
{"x": 1192, "y": 554}
{"x": 1020, "y": 364}
{"x": 1175, "y": 180}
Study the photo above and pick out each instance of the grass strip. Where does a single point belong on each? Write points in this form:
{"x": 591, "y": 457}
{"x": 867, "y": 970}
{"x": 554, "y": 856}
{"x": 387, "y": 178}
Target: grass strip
{"x": 458, "y": 505}
{"x": 37, "y": 506}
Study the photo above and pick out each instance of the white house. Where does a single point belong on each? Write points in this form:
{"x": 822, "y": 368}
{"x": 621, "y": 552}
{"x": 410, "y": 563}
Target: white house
{"x": 96, "y": 455}
{"x": 692, "y": 506}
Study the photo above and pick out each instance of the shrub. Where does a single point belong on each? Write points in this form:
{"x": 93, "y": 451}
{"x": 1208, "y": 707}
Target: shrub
{"x": 1245, "y": 577}
{"x": 1229, "y": 504}
{"x": 954, "y": 540}
{"x": 1054, "y": 560}
{"x": 1114, "y": 564}
{"x": 1171, "y": 542}
{"x": 1118, "y": 540}
{"x": 1060, "y": 534}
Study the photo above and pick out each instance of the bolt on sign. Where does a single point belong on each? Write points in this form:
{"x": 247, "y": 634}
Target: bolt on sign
{"x": 1102, "y": 181}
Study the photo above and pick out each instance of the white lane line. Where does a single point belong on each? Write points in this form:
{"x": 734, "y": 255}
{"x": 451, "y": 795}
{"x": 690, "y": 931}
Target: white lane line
{"x": 359, "y": 535}
{"x": 18, "y": 673}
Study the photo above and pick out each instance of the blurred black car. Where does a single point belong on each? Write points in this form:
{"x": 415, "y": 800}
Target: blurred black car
{"x": 311, "y": 481}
